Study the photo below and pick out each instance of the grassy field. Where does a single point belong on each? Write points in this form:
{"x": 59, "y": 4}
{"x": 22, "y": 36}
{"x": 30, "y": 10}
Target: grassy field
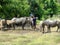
{"x": 29, "y": 37}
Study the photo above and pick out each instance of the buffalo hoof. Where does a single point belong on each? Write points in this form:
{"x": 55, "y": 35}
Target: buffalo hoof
{"x": 57, "y": 31}
{"x": 42, "y": 32}
{"x": 23, "y": 29}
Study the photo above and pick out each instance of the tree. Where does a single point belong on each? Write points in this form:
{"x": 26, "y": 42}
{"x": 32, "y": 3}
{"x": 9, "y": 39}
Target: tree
{"x": 19, "y": 8}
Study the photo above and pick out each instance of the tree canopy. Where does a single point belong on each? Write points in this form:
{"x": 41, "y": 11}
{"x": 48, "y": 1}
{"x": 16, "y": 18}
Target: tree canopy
{"x": 19, "y": 8}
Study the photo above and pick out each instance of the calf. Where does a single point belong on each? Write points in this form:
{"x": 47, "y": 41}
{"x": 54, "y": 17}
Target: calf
{"x": 10, "y": 24}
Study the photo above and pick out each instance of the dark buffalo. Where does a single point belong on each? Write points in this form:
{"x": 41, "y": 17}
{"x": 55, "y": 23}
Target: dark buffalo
{"x": 22, "y": 21}
{"x": 49, "y": 24}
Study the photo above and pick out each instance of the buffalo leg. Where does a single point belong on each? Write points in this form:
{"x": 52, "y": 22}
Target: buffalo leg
{"x": 23, "y": 26}
{"x": 2, "y": 28}
{"x": 43, "y": 28}
{"x": 48, "y": 29}
{"x": 31, "y": 25}
{"x": 13, "y": 26}
{"x": 57, "y": 29}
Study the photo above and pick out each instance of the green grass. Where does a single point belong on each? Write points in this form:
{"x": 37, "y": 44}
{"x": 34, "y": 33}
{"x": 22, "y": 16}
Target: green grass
{"x": 29, "y": 38}
{"x": 38, "y": 21}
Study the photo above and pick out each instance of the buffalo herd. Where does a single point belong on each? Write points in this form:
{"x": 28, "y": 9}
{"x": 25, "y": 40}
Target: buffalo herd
{"x": 15, "y": 22}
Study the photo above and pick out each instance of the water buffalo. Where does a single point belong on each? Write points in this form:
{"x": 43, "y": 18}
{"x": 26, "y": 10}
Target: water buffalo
{"x": 49, "y": 24}
{"x": 22, "y": 21}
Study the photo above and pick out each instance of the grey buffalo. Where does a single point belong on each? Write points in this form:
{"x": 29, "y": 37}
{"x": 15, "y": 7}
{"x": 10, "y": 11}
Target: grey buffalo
{"x": 49, "y": 24}
{"x": 21, "y": 21}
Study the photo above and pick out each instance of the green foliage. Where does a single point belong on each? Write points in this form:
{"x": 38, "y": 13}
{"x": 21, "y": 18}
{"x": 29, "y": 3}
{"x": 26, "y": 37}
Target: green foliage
{"x": 19, "y": 8}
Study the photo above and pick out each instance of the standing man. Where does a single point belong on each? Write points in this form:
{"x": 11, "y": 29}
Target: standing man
{"x": 34, "y": 22}
{"x": 33, "y": 18}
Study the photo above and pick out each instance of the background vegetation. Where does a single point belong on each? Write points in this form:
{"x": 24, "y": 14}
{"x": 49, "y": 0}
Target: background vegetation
{"x": 19, "y": 8}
